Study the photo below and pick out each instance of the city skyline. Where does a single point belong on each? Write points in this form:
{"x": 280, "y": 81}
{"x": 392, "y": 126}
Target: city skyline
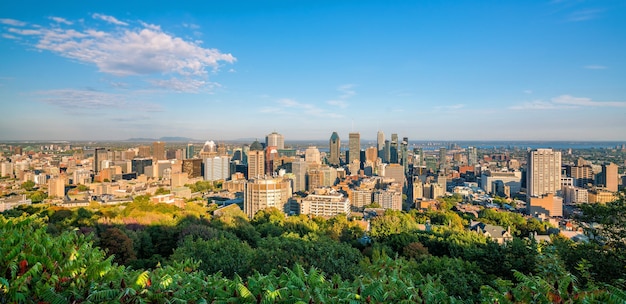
{"x": 540, "y": 70}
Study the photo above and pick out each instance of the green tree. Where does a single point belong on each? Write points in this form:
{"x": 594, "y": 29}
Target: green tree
{"x": 28, "y": 185}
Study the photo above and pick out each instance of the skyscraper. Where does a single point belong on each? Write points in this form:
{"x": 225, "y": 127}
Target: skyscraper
{"x": 99, "y": 155}
{"x": 387, "y": 154}
{"x": 380, "y": 144}
{"x": 609, "y": 177}
{"x": 393, "y": 156}
{"x": 256, "y": 160}
{"x": 335, "y": 149}
{"x": 299, "y": 168}
{"x": 158, "y": 150}
{"x": 216, "y": 168}
{"x": 404, "y": 153}
{"x": 276, "y": 140}
{"x": 543, "y": 175}
{"x": 354, "y": 147}
{"x": 472, "y": 157}
{"x": 312, "y": 155}
{"x": 189, "y": 152}
{"x": 443, "y": 159}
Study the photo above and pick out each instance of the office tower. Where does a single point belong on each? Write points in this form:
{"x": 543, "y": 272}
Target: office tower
{"x": 271, "y": 153}
{"x": 143, "y": 151}
{"x": 193, "y": 167}
{"x": 299, "y": 168}
{"x": 56, "y": 187}
{"x": 472, "y": 157}
{"x": 139, "y": 165}
{"x": 245, "y": 151}
{"x": 100, "y": 154}
{"x": 276, "y": 140}
{"x": 6, "y": 169}
{"x": 371, "y": 154}
{"x": 404, "y": 153}
{"x": 393, "y": 156}
{"x": 158, "y": 150}
{"x": 335, "y": 149}
{"x": 262, "y": 193}
{"x": 387, "y": 152}
{"x": 216, "y": 168}
{"x": 380, "y": 144}
{"x": 395, "y": 171}
{"x": 208, "y": 150}
{"x": 312, "y": 156}
{"x": 354, "y": 147}
{"x": 17, "y": 150}
{"x": 543, "y": 175}
{"x": 443, "y": 159}
{"x": 418, "y": 153}
{"x": 221, "y": 150}
{"x": 609, "y": 178}
{"x": 189, "y": 151}
{"x": 256, "y": 160}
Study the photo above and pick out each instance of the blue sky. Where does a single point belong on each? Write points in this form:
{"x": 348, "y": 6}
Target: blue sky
{"x": 220, "y": 70}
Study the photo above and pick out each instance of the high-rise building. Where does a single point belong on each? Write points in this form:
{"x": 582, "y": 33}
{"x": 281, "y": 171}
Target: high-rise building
{"x": 335, "y": 150}
{"x": 139, "y": 165}
{"x": 354, "y": 148}
{"x": 371, "y": 154}
{"x": 395, "y": 171}
{"x": 443, "y": 159}
{"x": 193, "y": 167}
{"x": 189, "y": 151}
{"x": 543, "y": 175}
{"x": 100, "y": 154}
{"x": 143, "y": 151}
{"x": 256, "y": 160}
{"x": 158, "y": 150}
{"x": 216, "y": 168}
{"x": 393, "y": 156}
{"x": 299, "y": 168}
{"x": 262, "y": 193}
{"x": 56, "y": 187}
{"x": 276, "y": 140}
{"x": 389, "y": 199}
{"x": 312, "y": 156}
{"x": 380, "y": 144}
{"x": 472, "y": 157}
{"x": 387, "y": 152}
{"x": 404, "y": 153}
{"x": 609, "y": 178}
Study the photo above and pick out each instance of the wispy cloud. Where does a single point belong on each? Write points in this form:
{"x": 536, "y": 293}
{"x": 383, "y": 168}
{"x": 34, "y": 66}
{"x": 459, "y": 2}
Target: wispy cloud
{"x": 586, "y": 102}
{"x": 288, "y": 106}
{"x": 595, "y": 67}
{"x": 12, "y": 22}
{"x": 450, "y": 107}
{"x": 566, "y": 102}
{"x": 346, "y": 91}
{"x": 61, "y": 20}
{"x": 528, "y": 91}
{"x": 89, "y": 99}
{"x": 584, "y": 15}
{"x": 125, "y": 49}
{"x": 109, "y": 19}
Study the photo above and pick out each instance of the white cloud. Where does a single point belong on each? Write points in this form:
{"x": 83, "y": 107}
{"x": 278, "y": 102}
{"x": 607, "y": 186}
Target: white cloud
{"x": 347, "y": 91}
{"x": 109, "y": 19}
{"x": 595, "y": 67}
{"x": 450, "y": 107}
{"x": 143, "y": 50}
{"x": 87, "y": 99}
{"x": 287, "y": 106}
{"x": 584, "y": 15}
{"x": 12, "y": 22}
{"x": 25, "y": 32}
{"x": 184, "y": 85}
{"x": 338, "y": 103}
{"x": 566, "y": 102}
{"x": 61, "y": 20}
{"x": 586, "y": 102}
{"x": 9, "y": 36}
{"x": 528, "y": 91}
{"x": 534, "y": 105}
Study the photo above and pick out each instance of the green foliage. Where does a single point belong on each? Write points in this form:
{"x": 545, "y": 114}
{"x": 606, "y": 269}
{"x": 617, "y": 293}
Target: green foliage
{"x": 161, "y": 191}
{"x": 28, "y": 185}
